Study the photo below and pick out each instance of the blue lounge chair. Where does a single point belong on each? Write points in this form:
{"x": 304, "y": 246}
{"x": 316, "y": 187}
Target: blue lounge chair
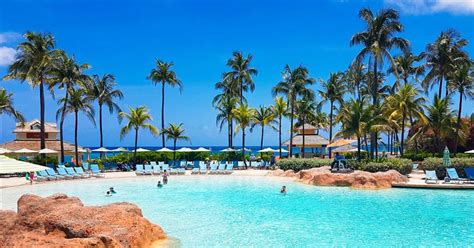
{"x": 148, "y": 169}
{"x": 453, "y": 175}
{"x": 221, "y": 168}
{"x": 45, "y": 175}
{"x": 229, "y": 169}
{"x": 202, "y": 168}
{"x": 80, "y": 172}
{"x": 52, "y": 173}
{"x": 156, "y": 169}
{"x": 139, "y": 170}
{"x": 62, "y": 172}
{"x": 39, "y": 177}
{"x": 213, "y": 169}
{"x": 241, "y": 164}
{"x": 95, "y": 172}
{"x": 469, "y": 174}
{"x": 70, "y": 171}
{"x": 195, "y": 167}
{"x": 430, "y": 175}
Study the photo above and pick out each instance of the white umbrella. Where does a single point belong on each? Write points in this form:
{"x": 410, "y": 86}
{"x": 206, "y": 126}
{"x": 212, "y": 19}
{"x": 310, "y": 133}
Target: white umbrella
{"x": 81, "y": 150}
{"x": 246, "y": 149}
{"x": 164, "y": 149}
{"x": 202, "y": 149}
{"x": 185, "y": 149}
{"x": 142, "y": 150}
{"x": 120, "y": 149}
{"x": 355, "y": 150}
{"x": 9, "y": 165}
{"x": 25, "y": 150}
{"x": 101, "y": 149}
{"x": 47, "y": 151}
{"x": 470, "y": 152}
{"x": 282, "y": 150}
{"x": 268, "y": 149}
{"x": 228, "y": 150}
{"x": 3, "y": 151}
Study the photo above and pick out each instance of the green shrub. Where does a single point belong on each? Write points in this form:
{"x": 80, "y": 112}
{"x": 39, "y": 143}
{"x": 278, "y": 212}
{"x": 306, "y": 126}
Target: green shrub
{"x": 404, "y": 166}
{"x": 417, "y": 156}
{"x": 437, "y": 164}
{"x": 298, "y": 164}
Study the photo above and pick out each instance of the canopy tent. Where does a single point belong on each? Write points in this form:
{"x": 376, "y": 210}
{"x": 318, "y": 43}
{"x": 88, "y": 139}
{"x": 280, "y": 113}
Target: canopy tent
{"x": 101, "y": 149}
{"x": 47, "y": 151}
{"x": 120, "y": 149}
{"x": 9, "y": 165}
{"x": 3, "y": 151}
{"x": 228, "y": 150}
{"x": 468, "y": 152}
{"x": 341, "y": 142}
{"x": 202, "y": 149}
{"x": 185, "y": 149}
{"x": 142, "y": 150}
{"x": 25, "y": 151}
{"x": 164, "y": 149}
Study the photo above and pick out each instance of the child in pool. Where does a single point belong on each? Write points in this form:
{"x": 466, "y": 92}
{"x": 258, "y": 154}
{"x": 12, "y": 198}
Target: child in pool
{"x": 111, "y": 189}
{"x": 159, "y": 185}
{"x": 108, "y": 194}
{"x": 283, "y": 190}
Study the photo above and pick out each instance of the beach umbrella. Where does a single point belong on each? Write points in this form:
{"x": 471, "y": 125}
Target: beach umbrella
{"x": 268, "y": 149}
{"x": 246, "y": 149}
{"x": 101, "y": 149}
{"x": 355, "y": 150}
{"x": 4, "y": 150}
{"x": 341, "y": 142}
{"x": 228, "y": 150}
{"x": 142, "y": 150}
{"x": 10, "y": 165}
{"x": 468, "y": 152}
{"x": 202, "y": 149}
{"x": 282, "y": 150}
{"x": 185, "y": 149}
{"x": 24, "y": 151}
{"x": 446, "y": 159}
{"x": 164, "y": 149}
{"x": 47, "y": 151}
{"x": 81, "y": 150}
{"x": 120, "y": 149}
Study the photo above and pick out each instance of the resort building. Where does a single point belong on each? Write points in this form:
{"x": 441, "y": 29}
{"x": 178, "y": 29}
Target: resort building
{"x": 28, "y": 136}
{"x": 312, "y": 141}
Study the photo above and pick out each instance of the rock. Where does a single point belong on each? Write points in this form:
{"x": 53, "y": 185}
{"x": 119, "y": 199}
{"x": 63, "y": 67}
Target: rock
{"x": 62, "y": 221}
{"x": 322, "y": 176}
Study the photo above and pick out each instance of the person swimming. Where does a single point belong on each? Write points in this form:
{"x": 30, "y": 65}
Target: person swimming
{"x": 111, "y": 189}
{"x": 159, "y": 185}
{"x": 108, "y": 194}
{"x": 283, "y": 190}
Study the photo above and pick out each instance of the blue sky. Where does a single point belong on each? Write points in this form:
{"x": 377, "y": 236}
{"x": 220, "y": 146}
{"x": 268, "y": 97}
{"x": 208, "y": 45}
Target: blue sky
{"x": 124, "y": 38}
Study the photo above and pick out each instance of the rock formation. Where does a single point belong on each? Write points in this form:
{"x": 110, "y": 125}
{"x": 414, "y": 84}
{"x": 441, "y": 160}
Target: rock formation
{"x": 62, "y": 221}
{"x": 322, "y": 176}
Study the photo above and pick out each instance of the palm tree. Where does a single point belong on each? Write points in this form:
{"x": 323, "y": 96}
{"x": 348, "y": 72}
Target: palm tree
{"x": 295, "y": 84}
{"x": 263, "y": 116}
{"x": 241, "y": 74}
{"x": 403, "y": 104}
{"x": 225, "y": 115}
{"x": 137, "y": 118}
{"x": 174, "y": 132}
{"x": 356, "y": 77}
{"x": 319, "y": 119}
{"x": 75, "y": 103}
{"x": 163, "y": 74}
{"x": 305, "y": 108}
{"x": 377, "y": 41}
{"x": 441, "y": 57}
{"x": 243, "y": 115}
{"x": 280, "y": 109}
{"x": 6, "y": 106}
{"x": 405, "y": 67}
{"x": 65, "y": 75}
{"x": 333, "y": 91}
{"x": 102, "y": 89}
{"x": 462, "y": 81}
{"x": 34, "y": 63}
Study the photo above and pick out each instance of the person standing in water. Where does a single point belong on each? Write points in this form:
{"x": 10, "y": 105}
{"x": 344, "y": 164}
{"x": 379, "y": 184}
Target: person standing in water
{"x": 165, "y": 177}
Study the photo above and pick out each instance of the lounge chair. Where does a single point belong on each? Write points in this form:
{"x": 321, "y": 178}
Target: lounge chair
{"x": 62, "y": 172}
{"x": 153, "y": 163}
{"x": 148, "y": 169}
{"x": 52, "y": 173}
{"x": 229, "y": 169}
{"x": 213, "y": 169}
{"x": 80, "y": 172}
{"x": 453, "y": 175}
{"x": 70, "y": 171}
{"x": 430, "y": 175}
{"x": 221, "y": 168}
{"x": 181, "y": 171}
{"x": 139, "y": 170}
{"x": 195, "y": 167}
{"x": 255, "y": 164}
{"x": 44, "y": 174}
{"x": 39, "y": 177}
{"x": 85, "y": 166}
{"x": 241, "y": 164}
{"x": 156, "y": 170}
{"x": 165, "y": 167}
{"x": 183, "y": 164}
{"x": 202, "y": 168}
{"x": 173, "y": 171}
{"x": 95, "y": 172}
{"x": 469, "y": 174}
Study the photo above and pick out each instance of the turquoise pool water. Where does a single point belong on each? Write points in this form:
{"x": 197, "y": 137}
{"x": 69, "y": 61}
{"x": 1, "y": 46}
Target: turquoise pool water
{"x": 219, "y": 211}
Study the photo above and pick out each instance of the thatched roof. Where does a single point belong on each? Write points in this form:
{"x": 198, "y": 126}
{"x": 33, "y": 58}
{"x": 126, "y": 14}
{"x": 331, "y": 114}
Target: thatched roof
{"x": 309, "y": 140}
{"x": 345, "y": 148}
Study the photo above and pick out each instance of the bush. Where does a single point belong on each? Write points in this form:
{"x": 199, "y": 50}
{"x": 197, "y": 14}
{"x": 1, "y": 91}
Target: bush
{"x": 298, "y": 164}
{"x": 436, "y": 164}
{"x": 404, "y": 166}
{"x": 418, "y": 156}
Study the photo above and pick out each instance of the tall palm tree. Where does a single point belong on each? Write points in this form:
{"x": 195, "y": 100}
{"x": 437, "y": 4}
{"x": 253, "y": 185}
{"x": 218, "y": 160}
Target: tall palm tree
{"x": 262, "y": 117}
{"x": 174, "y": 132}
{"x": 241, "y": 74}
{"x": 356, "y": 77}
{"x": 405, "y": 67}
{"x": 66, "y": 74}
{"x": 280, "y": 109}
{"x": 137, "y": 118}
{"x": 75, "y": 103}
{"x": 377, "y": 41}
{"x": 333, "y": 92}
{"x": 319, "y": 120}
{"x": 6, "y": 106}
{"x": 295, "y": 84}
{"x": 162, "y": 73}
{"x": 441, "y": 57}
{"x": 243, "y": 115}
{"x": 462, "y": 81}
{"x": 405, "y": 103}
{"x": 305, "y": 108}
{"x": 102, "y": 89}
{"x": 34, "y": 63}
{"x": 225, "y": 115}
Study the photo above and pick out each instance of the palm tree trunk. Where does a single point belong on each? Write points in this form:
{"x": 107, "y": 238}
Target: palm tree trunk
{"x": 279, "y": 134}
{"x": 136, "y": 146}
{"x": 42, "y": 107}
{"x": 174, "y": 150}
{"x": 330, "y": 126}
{"x": 228, "y": 135}
{"x": 261, "y": 138}
{"x": 302, "y": 151}
{"x": 358, "y": 147}
{"x": 440, "y": 82}
{"x": 411, "y": 126}
{"x": 291, "y": 128}
{"x": 458, "y": 123}
{"x": 231, "y": 134}
{"x": 243, "y": 147}
{"x": 76, "y": 121}
{"x": 100, "y": 129}
{"x": 365, "y": 142}
{"x": 373, "y": 135}
{"x": 163, "y": 112}
{"x": 61, "y": 126}
{"x": 403, "y": 133}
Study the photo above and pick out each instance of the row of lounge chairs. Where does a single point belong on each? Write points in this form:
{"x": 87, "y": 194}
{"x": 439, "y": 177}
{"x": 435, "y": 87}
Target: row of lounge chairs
{"x": 199, "y": 167}
{"x": 69, "y": 173}
{"x": 431, "y": 177}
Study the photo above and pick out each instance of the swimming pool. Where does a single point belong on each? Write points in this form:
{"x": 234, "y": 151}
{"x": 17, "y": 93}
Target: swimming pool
{"x": 230, "y": 211}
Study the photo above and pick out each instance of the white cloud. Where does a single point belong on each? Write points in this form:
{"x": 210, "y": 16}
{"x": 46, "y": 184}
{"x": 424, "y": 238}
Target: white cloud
{"x": 9, "y": 36}
{"x": 419, "y": 7}
{"x": 7, "y": 55}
